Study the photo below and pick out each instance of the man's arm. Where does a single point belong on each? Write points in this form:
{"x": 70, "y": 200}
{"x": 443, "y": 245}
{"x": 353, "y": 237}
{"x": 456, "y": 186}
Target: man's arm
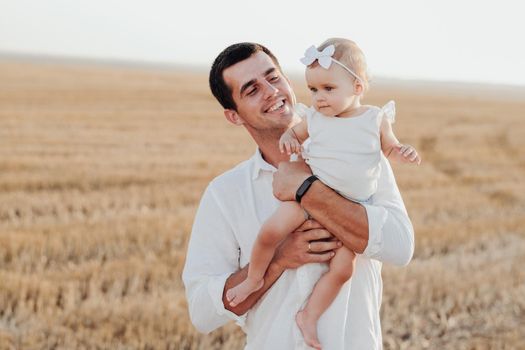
{"x": 212, "y": 256}
{"x": 381, "y": 230}
{"x": 345, "y": 219}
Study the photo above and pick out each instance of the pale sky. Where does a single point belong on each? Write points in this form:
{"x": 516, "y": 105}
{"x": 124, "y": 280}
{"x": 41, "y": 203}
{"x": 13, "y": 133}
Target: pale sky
{"x": 450, "y": 40}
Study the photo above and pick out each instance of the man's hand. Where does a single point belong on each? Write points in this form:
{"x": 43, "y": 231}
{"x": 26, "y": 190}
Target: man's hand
{"x": 292, "y": 253}
{"x": 288, "y": 177}
{"x": 309, "y": 243}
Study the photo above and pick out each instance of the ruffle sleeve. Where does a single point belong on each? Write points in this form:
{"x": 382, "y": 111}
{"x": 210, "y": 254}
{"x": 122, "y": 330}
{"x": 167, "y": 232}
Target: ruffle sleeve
{"x": 388, "y": 111}
{"x": 301, "y": 110}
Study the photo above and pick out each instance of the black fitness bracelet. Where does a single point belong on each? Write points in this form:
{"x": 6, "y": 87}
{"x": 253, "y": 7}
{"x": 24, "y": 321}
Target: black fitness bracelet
{"x": 301, "y": 191}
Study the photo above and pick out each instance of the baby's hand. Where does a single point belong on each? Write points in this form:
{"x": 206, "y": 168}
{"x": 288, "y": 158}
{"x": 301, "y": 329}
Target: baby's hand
{"x": 407, "y": 154}
{"x": 289, "y": 143}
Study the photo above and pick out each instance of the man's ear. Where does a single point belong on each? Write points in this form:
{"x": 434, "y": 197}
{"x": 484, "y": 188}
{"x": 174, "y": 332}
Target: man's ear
{"x": 233, "y": 117}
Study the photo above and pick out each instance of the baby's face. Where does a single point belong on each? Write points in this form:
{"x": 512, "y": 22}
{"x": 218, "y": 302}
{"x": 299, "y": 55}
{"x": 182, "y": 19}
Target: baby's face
{"x": 332, "y": 89}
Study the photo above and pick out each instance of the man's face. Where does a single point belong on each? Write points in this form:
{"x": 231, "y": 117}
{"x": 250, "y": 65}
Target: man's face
{"x": 262, "y": 94}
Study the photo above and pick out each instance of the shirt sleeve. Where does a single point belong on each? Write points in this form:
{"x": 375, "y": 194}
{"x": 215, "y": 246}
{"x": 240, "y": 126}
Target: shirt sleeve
{"x": 212, "y": 256}
{"x": 390, "y": 232}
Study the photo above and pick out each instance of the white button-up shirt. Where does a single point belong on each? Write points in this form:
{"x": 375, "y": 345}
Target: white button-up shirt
{"x": 230, "y": 214}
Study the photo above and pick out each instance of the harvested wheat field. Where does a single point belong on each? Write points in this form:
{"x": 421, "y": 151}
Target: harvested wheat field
{"x": 102, "y": 168}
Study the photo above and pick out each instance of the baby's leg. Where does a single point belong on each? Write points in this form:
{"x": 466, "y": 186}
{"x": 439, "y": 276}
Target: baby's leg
{"x": 325, "y": 291}
{"x": 287, "y": 218}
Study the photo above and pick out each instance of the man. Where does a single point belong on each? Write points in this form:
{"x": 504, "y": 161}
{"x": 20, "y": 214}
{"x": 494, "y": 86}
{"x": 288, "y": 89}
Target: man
{"x": 248, "y": 82}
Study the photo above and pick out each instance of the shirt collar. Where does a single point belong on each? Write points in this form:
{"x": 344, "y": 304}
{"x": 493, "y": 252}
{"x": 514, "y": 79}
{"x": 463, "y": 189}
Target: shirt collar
{"x": 259, "y": 164}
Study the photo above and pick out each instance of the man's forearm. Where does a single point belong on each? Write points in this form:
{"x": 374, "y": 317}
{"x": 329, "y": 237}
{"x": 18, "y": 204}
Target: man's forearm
{"x": 345, "y": 219}
{"x": 273, "y": 272}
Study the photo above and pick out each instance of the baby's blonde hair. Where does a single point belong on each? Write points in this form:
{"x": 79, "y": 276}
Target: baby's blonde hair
{"x": 348, "y": 53}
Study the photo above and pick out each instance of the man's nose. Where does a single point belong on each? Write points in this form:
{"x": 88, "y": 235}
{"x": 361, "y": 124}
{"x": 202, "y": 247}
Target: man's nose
{"x": 269, "y": 89}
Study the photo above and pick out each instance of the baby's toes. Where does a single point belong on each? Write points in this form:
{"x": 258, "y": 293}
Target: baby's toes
{"x": 230, "y": 295}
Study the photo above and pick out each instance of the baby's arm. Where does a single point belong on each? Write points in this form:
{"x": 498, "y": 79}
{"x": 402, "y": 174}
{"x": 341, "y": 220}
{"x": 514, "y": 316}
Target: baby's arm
{"x": 292, "y": 138}
{"x": 393, "y": 149}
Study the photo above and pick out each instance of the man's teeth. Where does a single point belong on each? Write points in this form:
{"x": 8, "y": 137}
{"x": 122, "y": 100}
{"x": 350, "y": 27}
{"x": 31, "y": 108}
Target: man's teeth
{"x": 276, "y": 106}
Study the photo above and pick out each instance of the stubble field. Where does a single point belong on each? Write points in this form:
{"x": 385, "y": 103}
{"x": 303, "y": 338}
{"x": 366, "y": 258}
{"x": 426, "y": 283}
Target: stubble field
{"x": 102, "y": 168}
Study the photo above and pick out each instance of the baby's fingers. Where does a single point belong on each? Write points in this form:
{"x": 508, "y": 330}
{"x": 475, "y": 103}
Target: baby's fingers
{"x": 408, "y": 153}
{"x": 297, "y": 147}
{"x": 281, "y": 146}
{"x": 415, "y": 158}
{"x": 406, "y": 150}
{"x": 288, "y": 147}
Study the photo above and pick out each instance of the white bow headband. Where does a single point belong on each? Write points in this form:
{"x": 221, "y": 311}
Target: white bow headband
{"x": 325, "y": 59}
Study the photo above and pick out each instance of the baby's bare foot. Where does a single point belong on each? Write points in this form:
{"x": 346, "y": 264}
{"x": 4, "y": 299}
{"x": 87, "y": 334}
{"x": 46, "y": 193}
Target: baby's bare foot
{"x": 308, "y": 327}
{"x": 240, "y": 292}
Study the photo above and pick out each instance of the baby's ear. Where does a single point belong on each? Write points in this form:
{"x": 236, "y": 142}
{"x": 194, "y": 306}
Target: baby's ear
{"x": 233, "y": 117}
{"x": 358, "y": 88}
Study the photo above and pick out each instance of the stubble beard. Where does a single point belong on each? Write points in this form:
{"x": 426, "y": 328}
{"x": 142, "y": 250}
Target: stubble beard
{"x": 268, "y": 135}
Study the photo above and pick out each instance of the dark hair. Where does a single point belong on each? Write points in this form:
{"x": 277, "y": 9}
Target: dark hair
{"x": 228, "y": 57}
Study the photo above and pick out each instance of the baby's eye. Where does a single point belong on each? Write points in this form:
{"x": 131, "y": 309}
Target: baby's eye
{"x": 313, "y": 89}
{"x": 328, "y": 88}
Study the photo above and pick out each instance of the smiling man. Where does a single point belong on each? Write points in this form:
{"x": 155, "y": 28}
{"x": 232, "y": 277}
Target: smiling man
{"x": 248, "y": 82}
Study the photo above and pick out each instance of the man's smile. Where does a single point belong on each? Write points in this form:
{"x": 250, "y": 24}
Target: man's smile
{"x": 277, "y": 106}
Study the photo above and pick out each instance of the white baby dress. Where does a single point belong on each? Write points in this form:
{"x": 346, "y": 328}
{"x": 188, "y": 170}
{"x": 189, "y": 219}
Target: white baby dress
{"x": 345, "y": 153}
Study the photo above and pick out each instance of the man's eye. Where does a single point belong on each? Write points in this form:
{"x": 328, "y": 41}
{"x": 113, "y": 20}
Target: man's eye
{"x": 274, "y": 78}
{"x": 251, "y": 92}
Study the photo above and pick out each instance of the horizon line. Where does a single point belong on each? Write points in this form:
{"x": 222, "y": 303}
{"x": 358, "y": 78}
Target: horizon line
{"x": 164, "y": 65}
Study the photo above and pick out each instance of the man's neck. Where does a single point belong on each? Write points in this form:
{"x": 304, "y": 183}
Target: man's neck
{"x": 272, "y": 155}
{"x": 268, "y": 143}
